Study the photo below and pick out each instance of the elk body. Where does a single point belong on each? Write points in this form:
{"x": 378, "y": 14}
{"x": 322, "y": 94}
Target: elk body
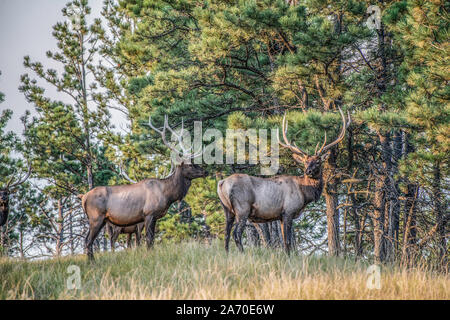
{"x": 145, "y": 201}
{"x": 5, "y": 192}
{"x": 114, "y": 232}
{"x": 283, "y": 198}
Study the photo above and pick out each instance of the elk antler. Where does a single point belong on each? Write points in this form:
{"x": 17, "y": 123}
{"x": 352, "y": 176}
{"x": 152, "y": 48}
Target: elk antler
{"x": 124, "y": 174}
{"x": 287, "y": 144}
{"x": 186, "y": 152}
{"x": 341, "y": 136}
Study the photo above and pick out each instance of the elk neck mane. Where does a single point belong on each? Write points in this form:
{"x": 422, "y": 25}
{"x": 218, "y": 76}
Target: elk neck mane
{"x": 178, "y": 183}
{"x": 312, "y": 188}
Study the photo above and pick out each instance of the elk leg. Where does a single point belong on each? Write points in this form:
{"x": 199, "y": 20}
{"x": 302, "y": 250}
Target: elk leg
{"x": 113, "y": 238}
{"x": 110, "y": 234}
{"x": 94, "y": 229}
{"x": 129, "y": 240}
{"x": 229, "y": 226}
{"x": 240, "y": 226}
{"x": 138, "y": 237}
{"x": 286, "y": 230}
{"x": 150, "y": 223}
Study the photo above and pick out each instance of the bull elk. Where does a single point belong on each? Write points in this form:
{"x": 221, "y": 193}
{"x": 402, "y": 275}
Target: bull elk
{"x": 6, "y": 191}
{"x": 145, "y": 201}
{"x": 283, "y": 198}
{"x": 115, "y": 231}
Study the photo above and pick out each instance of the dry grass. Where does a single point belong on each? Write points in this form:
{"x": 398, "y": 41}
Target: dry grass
{"x": 198, "y": 271}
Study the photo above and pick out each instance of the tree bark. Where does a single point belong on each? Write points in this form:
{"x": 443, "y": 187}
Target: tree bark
{"x": 409, "y": 230}
{"x": 382, "y": 212}
{"x": 60, "y": 234}
{"x": 275, "y": 233}
{"x": 330, "y": 194}
{"x": 438, "y": 212}
{"x": 252, "y": 235}
{"x": 395, "y": 192}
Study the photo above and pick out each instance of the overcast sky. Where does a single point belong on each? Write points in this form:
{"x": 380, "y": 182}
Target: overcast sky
{"x": 26, "y": 29}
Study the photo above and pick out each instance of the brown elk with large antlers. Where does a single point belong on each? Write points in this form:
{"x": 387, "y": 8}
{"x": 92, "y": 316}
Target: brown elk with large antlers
{"x": 283, "y": 198}
{"x": 145, "y": 201}
{"x": 6, "y": 191}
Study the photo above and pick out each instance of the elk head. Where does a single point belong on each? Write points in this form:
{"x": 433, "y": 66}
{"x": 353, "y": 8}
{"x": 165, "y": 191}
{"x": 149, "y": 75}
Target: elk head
{"x": 313, "y": 164}
{"x": 5, "y": 193}
{"x": 188, "y": 170}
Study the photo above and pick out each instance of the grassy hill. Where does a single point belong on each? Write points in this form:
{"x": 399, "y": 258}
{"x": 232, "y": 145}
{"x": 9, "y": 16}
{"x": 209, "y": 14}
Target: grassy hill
{"x": 192, "y": 270}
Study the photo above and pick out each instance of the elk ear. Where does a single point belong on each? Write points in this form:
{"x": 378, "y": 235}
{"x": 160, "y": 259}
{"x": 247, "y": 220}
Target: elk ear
{"x": 299, "y": 159}
{"x": 325, "y": 156}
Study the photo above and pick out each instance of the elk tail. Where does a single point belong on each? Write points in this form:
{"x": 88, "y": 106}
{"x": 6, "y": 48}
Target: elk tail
{"x": 83, "y": 202}
{"x": 226, "y": 202}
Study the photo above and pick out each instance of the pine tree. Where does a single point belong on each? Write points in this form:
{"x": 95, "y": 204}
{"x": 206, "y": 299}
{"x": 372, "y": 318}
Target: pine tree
{"x": 422, "y": 31}
{"x": 12, "y": 167}
{"x": 69, "y": 132}
{"x": 65, "y": 139}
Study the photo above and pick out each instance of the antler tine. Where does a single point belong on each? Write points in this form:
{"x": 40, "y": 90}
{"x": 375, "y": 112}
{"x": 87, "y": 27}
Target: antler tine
{"x": 180, "y": 139}
{"x": 323, "y": 145}
{"x": 9, "y": 181}
{"x": 187, "y": 154}
{"x": 21, "y": 180}
{"x": 315, "y": 150}
{"x": 123, "y": 173}
{"x": 153, "y": 127}
{"x": 198, "y": 154}
{"x": 341, "y": 135}
{"x": 287, "y": 144}
{"x": 162, "y": 133}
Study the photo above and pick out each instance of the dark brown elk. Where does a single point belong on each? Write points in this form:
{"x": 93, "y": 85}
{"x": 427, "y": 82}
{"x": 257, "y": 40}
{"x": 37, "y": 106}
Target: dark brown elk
{"x": 114, "y": 232}
{"x": 283, "y": 198}
{"x": 5, "y": 192}
{"x": 145, "y": 201}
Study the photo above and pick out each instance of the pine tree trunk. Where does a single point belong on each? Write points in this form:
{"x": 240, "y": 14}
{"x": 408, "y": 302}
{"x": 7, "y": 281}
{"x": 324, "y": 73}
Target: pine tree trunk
{"x": 382, "y": 210}
{"x": 21, "y": 247}
{"x": 85, "y": 111}
{"x": 378, "y": 219}
{"x": 438, "y": 212}
{"x": 409, "y": 230}
{"x": 3, "y": 249}
{"x": 252, "y": 235}
{"x": 71, "y": 239}
{"x": 264, "y": 233}
{"x": 382, "y": 217}
{"x": 60, "y": 225}
{"x": 353, "y": 199}
{"x": 275, "y": 233}
{"x": 330, "y": 194}
{"x": 395, "y": 192}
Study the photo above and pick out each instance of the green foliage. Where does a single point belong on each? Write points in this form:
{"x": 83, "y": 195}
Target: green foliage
{"x": 202, "y": 198}
{"x": 422, "y": 31}
{"x": 240, "y": 65}
{"x": 64, "y": 138}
